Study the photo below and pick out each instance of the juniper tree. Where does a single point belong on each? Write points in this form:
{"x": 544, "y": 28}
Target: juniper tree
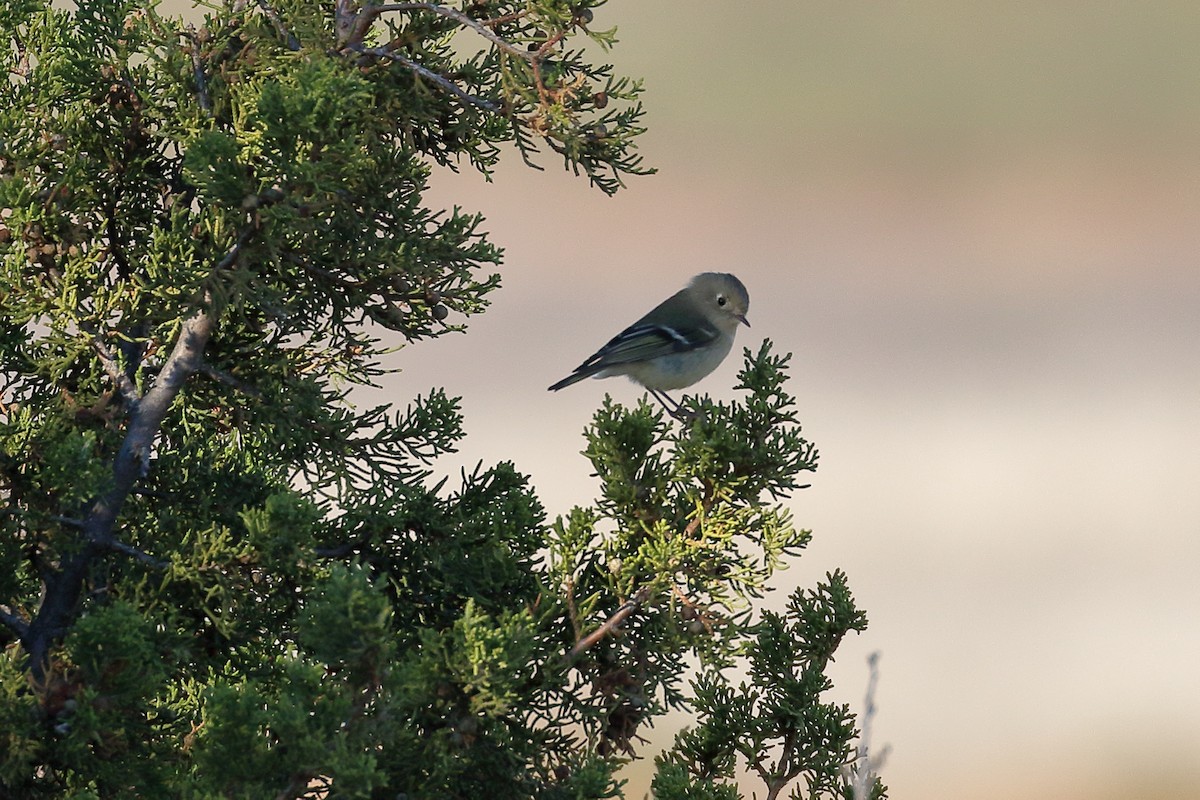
{"x": 218, "y": 577}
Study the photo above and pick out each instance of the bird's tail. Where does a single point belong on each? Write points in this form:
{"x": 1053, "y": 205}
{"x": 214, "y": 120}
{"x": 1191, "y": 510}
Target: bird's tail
{"x": 574, "y": 377}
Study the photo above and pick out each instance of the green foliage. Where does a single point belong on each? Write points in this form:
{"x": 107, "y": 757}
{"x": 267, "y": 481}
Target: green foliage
{"x": 689, "y": 523}
{"x": 219, "y": 578}
{"x": 775, "y": 724}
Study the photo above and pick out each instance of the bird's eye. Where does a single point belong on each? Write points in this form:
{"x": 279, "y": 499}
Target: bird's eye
{"x": 721, "y": 300}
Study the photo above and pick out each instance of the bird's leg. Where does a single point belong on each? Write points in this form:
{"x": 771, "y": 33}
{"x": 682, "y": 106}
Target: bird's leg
{"x": 673, "y": 408}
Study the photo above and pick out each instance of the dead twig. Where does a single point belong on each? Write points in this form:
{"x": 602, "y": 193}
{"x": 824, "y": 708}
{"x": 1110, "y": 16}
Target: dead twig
{"x": 609, "y": 625}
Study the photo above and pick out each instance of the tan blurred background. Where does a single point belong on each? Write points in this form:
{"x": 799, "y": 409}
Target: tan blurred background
{"x": 976, "y": 226}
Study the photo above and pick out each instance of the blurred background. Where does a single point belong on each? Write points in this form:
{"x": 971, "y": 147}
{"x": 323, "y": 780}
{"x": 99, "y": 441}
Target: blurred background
{"x": 976, "y": 225}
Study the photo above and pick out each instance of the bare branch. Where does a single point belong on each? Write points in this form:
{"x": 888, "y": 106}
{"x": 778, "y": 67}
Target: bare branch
{"x": 63, "y": 588}
{"x": 120, "y": 379}
{"x": 478, "y": 26}
{"x": 609, "y": 625}
{"x": 139, "y": 555}
{"x": 861, "y": 772}
{"x": 13, "y": 622}
{"x": 352, "y": 23}
{"x": 230, "y": 381}
{"x": 512, "y": 16}
{"x": 441, "y": 81}
{"x": 484, "y": 29}
{"x": 340, "y": 550}
{"x": 292, "y": 42}
{"x": 198, "y": 71}
{"x": 344, "y": 16}
{"x": 184, "y": 360}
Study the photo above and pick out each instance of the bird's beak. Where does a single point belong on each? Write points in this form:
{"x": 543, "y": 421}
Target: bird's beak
{"x": 742, "y": 319}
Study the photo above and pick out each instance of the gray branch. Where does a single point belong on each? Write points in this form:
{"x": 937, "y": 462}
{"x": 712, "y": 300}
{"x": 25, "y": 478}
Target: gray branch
{"x": 352, "y": 24}
{"x": 63, "y": 588}
{"x": 292, "y": 42}
{"x": 198, "y": 73}
{"x": 185, "y": 359}
{"x": 120, "y": 378}
{"x": 440, "y": 80}
{"x": 462, "y": 19}
{"x": 13, "y": 622}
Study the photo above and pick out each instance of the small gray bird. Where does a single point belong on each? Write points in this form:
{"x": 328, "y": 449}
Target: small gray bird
{"x": 682, "y": 340}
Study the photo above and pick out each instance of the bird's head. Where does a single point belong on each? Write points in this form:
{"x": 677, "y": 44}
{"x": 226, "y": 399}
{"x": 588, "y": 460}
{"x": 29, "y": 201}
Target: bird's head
{"x": 723, "y": 296}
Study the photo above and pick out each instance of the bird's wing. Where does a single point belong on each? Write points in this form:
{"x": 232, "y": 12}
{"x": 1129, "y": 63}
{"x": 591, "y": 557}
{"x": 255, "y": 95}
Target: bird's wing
{"x": 642, "y": 342}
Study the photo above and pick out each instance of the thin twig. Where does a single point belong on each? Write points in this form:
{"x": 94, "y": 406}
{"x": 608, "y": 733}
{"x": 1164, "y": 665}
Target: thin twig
{"x": 198, "y": 71}
{"x": 701, "y": 613}
{"x": 224, "y": 377}
{"x": 609, "y": 625}
{"x": 443, "y": 82}
{"x": 292, "y": 42}
{"x": 227, "y": 260}
{"x": 469, "y": 21}
{"x": 706, "y": 504}
{"x": 22, "y": 69}
{"x": 139, "y": 555}
{"x": 572, "y": 611}
{"x": 324, "y": 273}
{"x": 861, "y": 773}
{"x": 536, "y": 63}
{"x": 353, "y": 26}
{"x": 116, "y": 241}
{"x": 512, "y": 16}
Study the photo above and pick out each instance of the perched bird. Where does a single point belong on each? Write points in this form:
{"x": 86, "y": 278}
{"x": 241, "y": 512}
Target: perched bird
{"x": 683, "y": 339}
